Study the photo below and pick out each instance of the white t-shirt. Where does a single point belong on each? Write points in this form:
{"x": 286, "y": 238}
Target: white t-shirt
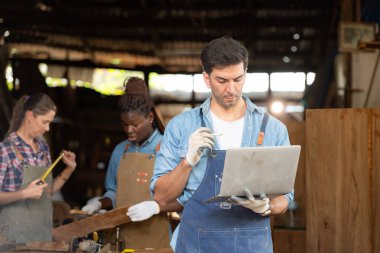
{"x": 231, "y": 132}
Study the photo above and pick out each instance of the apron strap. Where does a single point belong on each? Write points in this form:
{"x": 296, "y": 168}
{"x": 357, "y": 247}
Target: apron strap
{"x": 260, "y": 138}
{"x": 126, "y": 148}
{"x": 202, "y": 120}
{"x": 21, "y": 158}
{"x": 17, "y": 152}
{"x": 157, "y": 148}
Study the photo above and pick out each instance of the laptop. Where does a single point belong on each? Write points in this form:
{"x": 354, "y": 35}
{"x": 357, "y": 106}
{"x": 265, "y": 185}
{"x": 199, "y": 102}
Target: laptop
{"x": 262, "y": 170}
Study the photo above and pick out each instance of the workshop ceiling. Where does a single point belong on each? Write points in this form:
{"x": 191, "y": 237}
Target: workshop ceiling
{"x": 168, "y": 35}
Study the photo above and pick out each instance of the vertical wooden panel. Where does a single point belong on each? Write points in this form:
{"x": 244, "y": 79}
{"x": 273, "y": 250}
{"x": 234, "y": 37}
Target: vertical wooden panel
{"x": 289, "y": 241}
{"x": 376, "y": 179}
{"x": 297, "y": 219}
{"x": 289, "y": 233}
{"x": 297, "y": 137}
{"x": 340, "y": 205}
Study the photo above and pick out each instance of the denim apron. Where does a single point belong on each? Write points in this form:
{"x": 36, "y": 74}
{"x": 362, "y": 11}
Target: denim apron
{"x": 133, "y": 178}
{"x": 30, "y": 219}
{"x": 221, "y": 227}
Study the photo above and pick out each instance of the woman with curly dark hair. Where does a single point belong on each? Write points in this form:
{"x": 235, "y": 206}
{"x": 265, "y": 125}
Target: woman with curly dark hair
{"x": 130, "y": 169}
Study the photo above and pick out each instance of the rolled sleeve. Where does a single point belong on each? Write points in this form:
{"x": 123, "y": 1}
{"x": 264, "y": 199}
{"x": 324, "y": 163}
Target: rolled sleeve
{"x": 185, "y": 197}
{"x": 173, "y": 150}
{"x": 290, "y": 197}
{"x": 167, "y": 158}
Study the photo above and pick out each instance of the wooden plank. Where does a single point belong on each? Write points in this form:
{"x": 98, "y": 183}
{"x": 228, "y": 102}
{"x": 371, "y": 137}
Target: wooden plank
{"x": 48, "y": 246}
{"x": 376, "y": 179}
{"x": 297, "y": 218}
{"x": 36, "y": 246}
{"x": 91, "y": 224}
{"x": 341, "y": 212}
{"x": 288, "y": 240}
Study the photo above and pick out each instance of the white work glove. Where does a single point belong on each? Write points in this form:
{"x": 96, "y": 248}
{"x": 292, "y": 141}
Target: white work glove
{"x": 143, "y": 210}
{"x": 93, "y": 205}
{"x": 198, "y": 140}
{"x": 260, "y": 206}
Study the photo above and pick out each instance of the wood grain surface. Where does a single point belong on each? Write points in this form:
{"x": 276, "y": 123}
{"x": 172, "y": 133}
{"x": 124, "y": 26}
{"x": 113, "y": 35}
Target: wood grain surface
{"x": 343, "y": 180}
{"x": 91, "y": 224}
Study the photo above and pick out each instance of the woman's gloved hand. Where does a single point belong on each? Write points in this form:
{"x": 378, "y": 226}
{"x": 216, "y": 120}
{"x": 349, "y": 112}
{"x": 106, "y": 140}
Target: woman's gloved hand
{"x": 93, "y": 205}
{"x": 200, "y": 139}
{"x": 260, "y": 206}
{"x": 143, "y": 210}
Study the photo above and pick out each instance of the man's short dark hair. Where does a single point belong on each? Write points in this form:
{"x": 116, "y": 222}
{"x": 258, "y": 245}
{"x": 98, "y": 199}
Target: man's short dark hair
{"x": 222, "y": 52}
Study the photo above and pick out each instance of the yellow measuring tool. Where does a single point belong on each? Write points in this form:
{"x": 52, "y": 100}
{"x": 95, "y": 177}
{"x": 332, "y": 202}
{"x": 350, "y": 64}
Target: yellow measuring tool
{"x": 47, "y": 172}
{"x": 127, "y": 251}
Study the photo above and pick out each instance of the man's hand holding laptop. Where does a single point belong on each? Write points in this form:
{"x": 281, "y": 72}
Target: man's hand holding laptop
{"x": 260, "y": 205}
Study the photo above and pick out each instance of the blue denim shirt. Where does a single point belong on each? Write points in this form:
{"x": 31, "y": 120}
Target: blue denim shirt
{"x": 175, "y": 142}
{"x": 148, "y": 147}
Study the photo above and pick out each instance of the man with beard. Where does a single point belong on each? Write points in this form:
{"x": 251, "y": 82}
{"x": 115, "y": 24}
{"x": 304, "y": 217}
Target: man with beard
{"x": 189, "y": 165}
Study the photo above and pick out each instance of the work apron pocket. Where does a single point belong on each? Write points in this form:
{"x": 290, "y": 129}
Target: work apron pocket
{"x": 253, "y": 240}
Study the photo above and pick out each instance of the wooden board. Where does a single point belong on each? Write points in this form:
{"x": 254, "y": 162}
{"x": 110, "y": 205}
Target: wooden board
{"x": 343, "y": 180}
{"x": 48, "y": 246}
{"x": 37, "y": 246}
{"x": 91, "y": 224}
{"x": 296, "y": 219}
{"x": 287, "y": 240}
